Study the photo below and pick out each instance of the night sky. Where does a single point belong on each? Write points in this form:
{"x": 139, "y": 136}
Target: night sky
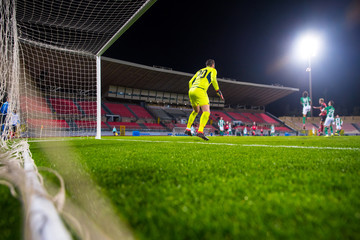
{"x": 254, "y": 41}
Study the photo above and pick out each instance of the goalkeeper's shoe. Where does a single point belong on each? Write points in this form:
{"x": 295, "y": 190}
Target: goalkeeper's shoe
{"x": 201, "y": 135}
{"x": 188, "y": 132}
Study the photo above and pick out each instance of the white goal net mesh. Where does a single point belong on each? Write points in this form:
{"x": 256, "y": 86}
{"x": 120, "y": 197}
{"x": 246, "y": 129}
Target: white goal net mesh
{"x": 58, "y": 93}
{"x": 55, "y": 43}
{"x": 49, "y": 51}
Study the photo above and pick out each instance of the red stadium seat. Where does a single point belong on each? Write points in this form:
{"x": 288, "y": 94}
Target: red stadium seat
{"x": 239, "y": 117}
{"x": 266, "y": 118}
{"x": 349, "y": 128}
{"x": 219, "y": 114}
{"x": 140, "y": 112}
{"x": 90, "y": 108}
{"x": 90, "y": 124}
{"x": 119, "y": 109}
{"x": 154, "y": 126}
{"x": 128, "y": 125}
{"x": 47, "y": 123}
{"x": 64, "y": 106}
{"x": 253, "y": 118}
{"x": 34, "y": 105}
{"x": 282, "y": 129}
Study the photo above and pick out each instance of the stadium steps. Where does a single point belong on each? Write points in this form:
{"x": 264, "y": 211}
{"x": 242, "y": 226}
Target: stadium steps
{"x": 315, "y": 125}
{"x": 215, "y": 125}
{"x": 132, "y": 112}
{"x": 166, "y": 127}
{"x": 79, "y": 107}
{"x": 282, "y": 122}
{"x": 212, "y": 116}
{"x": 49, "y": 104}
{"x": 150, "y": 112}
{"x": 356, "y": 126}
{"x": 142, "y": 125}
{"x": 160, "y": 113}
{"x": 108, "y": 125}
{"x": 72, "y": 124}
{"x": 250, "y": 121}
{"x": 229, "y": 116}
{"x": 107, "y": 110}
{"x": 272, "y": 116}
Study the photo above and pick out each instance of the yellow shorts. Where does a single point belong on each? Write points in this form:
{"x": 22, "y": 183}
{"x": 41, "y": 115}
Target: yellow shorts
{"x": 198, "y": 97}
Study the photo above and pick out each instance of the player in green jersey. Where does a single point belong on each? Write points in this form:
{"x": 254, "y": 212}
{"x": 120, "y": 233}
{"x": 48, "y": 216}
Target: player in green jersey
{"x": 330, "y": 110}
{"x": 221, "y": 124}
{"x": 305, "y": 101}
{"x": 338, "y": 124}
{"x": 198, "y": 86}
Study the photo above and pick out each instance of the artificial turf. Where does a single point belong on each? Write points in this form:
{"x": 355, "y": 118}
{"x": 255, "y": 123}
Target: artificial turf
{"x": 227, "y": 188}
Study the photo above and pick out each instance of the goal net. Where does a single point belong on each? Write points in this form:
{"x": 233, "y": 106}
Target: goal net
{"x": 55, "y": 47}
{"x": 50, "y": 70}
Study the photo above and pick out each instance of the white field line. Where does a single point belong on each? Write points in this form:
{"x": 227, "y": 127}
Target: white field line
{"x": 241, "y": 145}
{"x": 211, "y": 143}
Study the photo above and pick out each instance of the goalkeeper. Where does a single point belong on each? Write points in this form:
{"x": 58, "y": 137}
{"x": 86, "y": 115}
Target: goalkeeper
{"x": 198, "y": 86}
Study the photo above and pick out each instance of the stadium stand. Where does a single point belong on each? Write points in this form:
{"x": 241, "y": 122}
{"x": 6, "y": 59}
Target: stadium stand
{"x": 308, "y": 126}
{"x": 140, "y": 112}
{"x": 349, "y": 128}
{"x": 296, "y": 123}
{"x": 47, "y": 123}
{"x": 253, "y": 117}
{"x": 211, "y": 127}
{"x": 90, "y": 125}
{"x": 119, "y": 109}
{"x": 266, "y": 118}
{"x": 64, "y": 106}
{"x": 89, "y": 108}
{"x": 175, "y": 113}
{"x": 215, "y": 115}
{"x": 154, "y": 126}
{"x": 128, "y": 125}
{"x": 34, "y": 105}
{"x": 160, "y": 113}
{"x": 180, "y": 125}
{"x": 282, "y": 129}
{"x": 239, "y": 117}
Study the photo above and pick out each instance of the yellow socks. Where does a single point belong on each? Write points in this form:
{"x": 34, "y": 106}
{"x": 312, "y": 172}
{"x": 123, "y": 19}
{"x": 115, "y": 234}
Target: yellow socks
{"x": 191, "y": 119}
{"x": 203, "y": 120}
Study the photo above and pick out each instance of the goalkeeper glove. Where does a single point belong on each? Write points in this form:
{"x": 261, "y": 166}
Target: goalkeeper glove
{"x": 219, "y": 93}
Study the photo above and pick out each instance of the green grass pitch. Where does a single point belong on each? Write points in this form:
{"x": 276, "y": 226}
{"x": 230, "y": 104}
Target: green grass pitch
{"x": 227, "y": 188}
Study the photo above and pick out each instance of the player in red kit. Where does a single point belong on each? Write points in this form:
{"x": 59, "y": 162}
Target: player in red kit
{"x": 253, "y": 129}
{"x": 322, "y": 114}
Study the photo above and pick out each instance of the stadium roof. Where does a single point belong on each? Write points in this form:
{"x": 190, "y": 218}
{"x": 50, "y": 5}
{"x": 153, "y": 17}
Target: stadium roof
{"x": 126, "y": 74}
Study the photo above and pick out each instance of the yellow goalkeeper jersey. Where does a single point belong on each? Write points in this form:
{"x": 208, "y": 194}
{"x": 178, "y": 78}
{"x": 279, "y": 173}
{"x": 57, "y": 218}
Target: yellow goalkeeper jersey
{"x": 203, "y": 78}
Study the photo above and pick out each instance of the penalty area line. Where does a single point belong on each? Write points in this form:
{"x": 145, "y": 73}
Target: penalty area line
{"x": 241, "y": 145}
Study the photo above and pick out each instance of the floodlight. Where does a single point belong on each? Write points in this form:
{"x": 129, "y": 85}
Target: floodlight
{"x": 308, "y": 45}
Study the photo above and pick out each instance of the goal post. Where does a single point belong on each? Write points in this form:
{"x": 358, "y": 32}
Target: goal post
{"x": 98, "y": 97}
{"x": 111, "y": 41}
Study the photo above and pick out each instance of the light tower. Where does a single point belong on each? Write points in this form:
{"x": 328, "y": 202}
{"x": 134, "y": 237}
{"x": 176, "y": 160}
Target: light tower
{"x": 308, "y": 47}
